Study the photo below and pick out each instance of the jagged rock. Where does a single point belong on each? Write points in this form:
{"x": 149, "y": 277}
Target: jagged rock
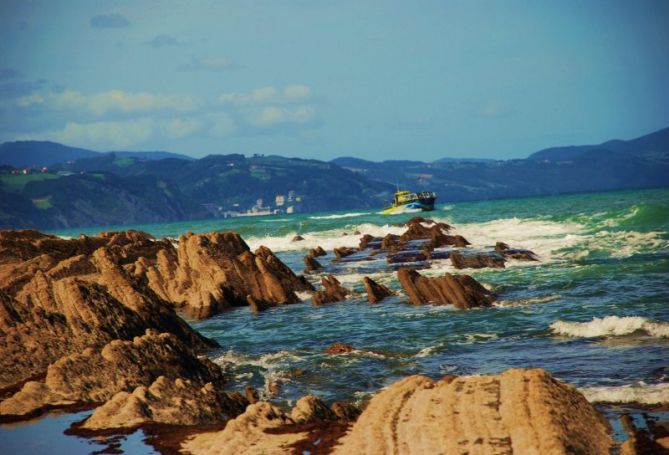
{"x": 95, "y": 375}
{"x": 333, "y": 292}
{"x": 52, "y": 305}
{"x": 339, "y": 348}
{"x": 343, "y": 251}
{"x": 166, "y": 401}
{"x": 476, "y": 260}
{"x": 345, "y": 411}
{"x": 519, "y": 411}
{"x": 406, "y": 256}
{"x": 316, "y": 252}
{"x": 297, "y": 238}
{"x": 376, "y": 292}
{"x": 462, "y": 291}
{"x": 251, "y": 394}
{"x": 390, "y": 241}
{"x": 311, "y": 409}
{"x": 518, "y": 254}
{"x": 256, "y": 431}
{"x": 211, "y": 272}
{"x": 311, "y": 264}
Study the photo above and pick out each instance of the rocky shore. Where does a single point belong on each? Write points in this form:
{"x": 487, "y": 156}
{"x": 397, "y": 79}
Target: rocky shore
{"x": 97, "y": 323}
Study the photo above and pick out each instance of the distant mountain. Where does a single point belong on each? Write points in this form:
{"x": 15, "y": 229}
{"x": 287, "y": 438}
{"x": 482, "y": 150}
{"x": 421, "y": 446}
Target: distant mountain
{"x": 88, "y": 188}
{"x": 654, "y": 145}
{"x": 44, "y": 153}
{"x": 39, "y": 153}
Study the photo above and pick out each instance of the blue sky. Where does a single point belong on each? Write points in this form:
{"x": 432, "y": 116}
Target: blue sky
{"x": 315, "y": 79}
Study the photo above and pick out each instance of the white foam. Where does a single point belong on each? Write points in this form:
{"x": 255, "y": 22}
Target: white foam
{"x": 336, "y": 217}
{"x": 266, "y": 361}
{"x": 650, "y": 394}
{"x": 425, "y": 352}
{"x": 611, "y": 326}
{"x": 523, "y": 302}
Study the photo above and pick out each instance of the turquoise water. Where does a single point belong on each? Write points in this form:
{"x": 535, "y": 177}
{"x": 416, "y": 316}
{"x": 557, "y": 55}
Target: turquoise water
{"x": 594, "y": 311}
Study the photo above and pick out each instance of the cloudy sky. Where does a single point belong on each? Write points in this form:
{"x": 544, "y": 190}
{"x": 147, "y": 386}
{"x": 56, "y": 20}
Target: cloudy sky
{"x": 321, "y": 79}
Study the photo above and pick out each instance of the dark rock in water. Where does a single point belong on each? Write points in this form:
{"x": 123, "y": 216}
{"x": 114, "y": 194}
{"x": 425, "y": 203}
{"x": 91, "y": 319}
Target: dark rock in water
{"x": 476, "y": 260}
{"x": 339, "y": 348}
{"x": 518, "y": 254}
{"x": 297, "y": 238}
{"x": 406, "y": 256}
{"x": 356, "y": 232}
{"x": 462, "y": 291}
{"x": 344, "y": 251}
{"x": 255, "y": 306}
{"x": 311, "y": 264}
{"x": 345, "y": 411}
{"x": 316, "y": 252}
{"x": 390, "y": 241}
{"x": 333, "y": 292}
{"x": 251, "y": 394}
{"x": 311, "y": 409}
{"x": 369, "y": 241}
{"x": 420, "y": 220}
{"x": 376, "y": 292}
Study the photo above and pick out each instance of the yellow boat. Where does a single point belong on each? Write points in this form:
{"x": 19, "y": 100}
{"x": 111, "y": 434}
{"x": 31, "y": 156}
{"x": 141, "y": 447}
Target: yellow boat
{"x": 407, "y": 201}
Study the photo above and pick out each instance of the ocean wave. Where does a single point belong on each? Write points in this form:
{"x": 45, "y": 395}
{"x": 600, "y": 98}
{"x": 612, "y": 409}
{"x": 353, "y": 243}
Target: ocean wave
{"x": 529, "y": 301}
{"x": 337, "y": 216}
{"x": 649, "y": 394}
{"x": 611, "y": 326}
{"x": 265, "y": 361}
{"x": 425, "y": 352}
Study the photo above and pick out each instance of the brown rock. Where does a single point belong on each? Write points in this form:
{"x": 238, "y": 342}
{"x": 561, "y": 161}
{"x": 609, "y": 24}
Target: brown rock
{"x": 95, "y": 375}
{"x": 390, "y": 242}
{"x": 256, "y": 431}
{"x": 345, "y": 411}
{"x": 369, "y": 241}
{"x": 376, "y": 292}
{"x": 311, "y": 409}
{"x": 251, "y": 394}
{"x": 518, "y": 411}
{"x": 174, "y": 402}
{"x": 476, "y": 260}
{"x": 333, "y": 291}
{"x": 316, "y": 252}
{"x": 311, "y": 264}
{"x": 462, "y": 291}
{"x": 297, "y": 238}
{"x": 339, "y": 348}
{"x": 255, "y": 306}
{"x": 343, "y": 251}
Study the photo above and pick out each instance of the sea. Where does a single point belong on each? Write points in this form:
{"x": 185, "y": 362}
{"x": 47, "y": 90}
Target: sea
{"x": 594, "y": 311}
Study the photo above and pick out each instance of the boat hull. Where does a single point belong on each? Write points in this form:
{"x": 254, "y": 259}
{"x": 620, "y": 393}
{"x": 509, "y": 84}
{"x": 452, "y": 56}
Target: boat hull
{"x": 420, "y": 205}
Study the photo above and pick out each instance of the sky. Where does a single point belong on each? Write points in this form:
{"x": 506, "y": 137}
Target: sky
{"x": 320, "y": 79}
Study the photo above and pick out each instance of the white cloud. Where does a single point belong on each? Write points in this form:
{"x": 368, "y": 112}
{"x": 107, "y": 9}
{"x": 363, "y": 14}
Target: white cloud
{"x": 179, "y": 127}
{"x": 274, "y": 115}
{"x": 112, "y": 101}
{"x": 222, "y": 124}
{"x": 267, "y": 95}
{"x": 107, "y": 134}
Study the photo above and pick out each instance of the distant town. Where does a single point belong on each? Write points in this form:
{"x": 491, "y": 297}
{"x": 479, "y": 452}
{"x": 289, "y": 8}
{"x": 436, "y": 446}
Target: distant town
{"x": 282, "y": 204}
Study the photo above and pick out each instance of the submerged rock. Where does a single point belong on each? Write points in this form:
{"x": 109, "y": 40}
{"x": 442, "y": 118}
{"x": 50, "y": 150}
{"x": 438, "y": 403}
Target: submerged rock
{"x": 462, "y": 291}
{"x": 343, "y": 251}
{"x": 518, "y": 411}
{"x": 297, "y": 238}
{"x": 476, "y": 260}
{"x": 376, "y": 292}
{"x": 339, "y": 348}
{"x": 333, "y": 291}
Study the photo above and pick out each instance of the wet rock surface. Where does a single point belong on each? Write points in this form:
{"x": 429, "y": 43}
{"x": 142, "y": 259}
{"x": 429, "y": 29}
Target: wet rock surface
{"x": 339, "y": 348}
{"x": 514, "y": 253}
{"x": 462, "y": 260}
{"x": 461, "y": 291}
{"x": 311, "y": 264}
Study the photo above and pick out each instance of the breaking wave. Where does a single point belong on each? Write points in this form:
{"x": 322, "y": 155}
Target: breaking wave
{"x": 336, "y": 217}
{"x": 611, "y": 326}
{"x": 649, "y": 394}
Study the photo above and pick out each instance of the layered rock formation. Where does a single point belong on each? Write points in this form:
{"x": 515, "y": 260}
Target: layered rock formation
{"x": 518, "y": 411}
{"x": 311, "y": 264}
{"x": 95, "y": 375}
{"x": 332, "y": 291}
{"x": 375, "y": 291}
{"x": 462, "y": 291}
{"x": 514, "y": 253}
